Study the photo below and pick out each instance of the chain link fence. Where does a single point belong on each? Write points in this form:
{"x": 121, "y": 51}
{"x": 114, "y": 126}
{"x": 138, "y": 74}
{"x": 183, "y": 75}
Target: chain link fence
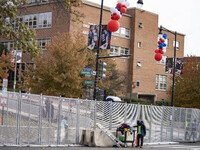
{"x": 29, "y": 119}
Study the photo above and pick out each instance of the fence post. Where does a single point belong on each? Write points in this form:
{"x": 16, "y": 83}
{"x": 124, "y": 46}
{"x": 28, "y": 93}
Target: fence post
{"x": 95, "y": 111}
{"x": 172, "y": 123}
{"x": 125, "y": 113}
{"x": 77, "y": 121}
{"x": 150, "y": 123}
{"x": 7, "y": 105}
{"x": 29, "y": 119}
{"x": 18, "y": 118}
{"x": 110, "y": 121}
{"x": 138, "y": 111}
{"x": 161, "y": 130}
{"x": 59, "y": 122}
{"x": 39, "y": 119}
{"x": 186, "y": 123}
{"x": 179, "y": 121}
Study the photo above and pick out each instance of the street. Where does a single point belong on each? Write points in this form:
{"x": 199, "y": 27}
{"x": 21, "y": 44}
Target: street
{"x": 177, "y": 146}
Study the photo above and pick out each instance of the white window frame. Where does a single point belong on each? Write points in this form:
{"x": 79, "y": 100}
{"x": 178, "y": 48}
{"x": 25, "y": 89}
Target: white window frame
{"x": 31, "y": 20}
{"x": 42, "y": 43}
{"x": 167, "y": 43}
{"x": 177, "y": 45}
{"x": 45, "y": 20}
{"x": 117, "y": 50}
{"x": 161, "y": 82}
{"x": 139, "y": 44}
{"x": 122, "y": 32}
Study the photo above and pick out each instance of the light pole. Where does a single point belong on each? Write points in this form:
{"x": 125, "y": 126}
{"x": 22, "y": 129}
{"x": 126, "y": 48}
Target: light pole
{"x": 140, "y": 3}
{"x": 174, "y": 62}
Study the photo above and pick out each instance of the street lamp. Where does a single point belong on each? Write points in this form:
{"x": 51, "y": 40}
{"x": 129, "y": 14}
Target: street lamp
{"x": 140, "y": 4}
{"x": 174, "y": 63}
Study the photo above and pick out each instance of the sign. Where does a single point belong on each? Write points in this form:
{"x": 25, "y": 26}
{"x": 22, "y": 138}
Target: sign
{"x": 94, "y": 73}
{"x": 88, "y": 69}
{"x": 88, "y": 82}
{"x": 86, "y": 72}
{"x": 86, "y": 75}
{"x": 4, "y": 97}
{"x": 5, "y": 83}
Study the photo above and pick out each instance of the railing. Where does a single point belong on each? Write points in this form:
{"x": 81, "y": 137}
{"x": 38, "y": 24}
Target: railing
{"x": 30, "y": 119}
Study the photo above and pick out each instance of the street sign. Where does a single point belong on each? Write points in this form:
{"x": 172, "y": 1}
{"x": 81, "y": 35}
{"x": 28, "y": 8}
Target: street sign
{"x": 88, "y": 69}
{"x": 86, "y": 72}
{"x": 88, "y": 82}
{"x": 94, "y": 73}
{"x": 86, "y": 75}
{"x": 4, "y": 97}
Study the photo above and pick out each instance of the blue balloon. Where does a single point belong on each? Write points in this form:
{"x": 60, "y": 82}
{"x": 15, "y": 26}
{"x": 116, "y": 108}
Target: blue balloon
{"x": 164, "y": 45}
{"x": 164, "y": 35}
{"x": 117, "y": 8}
{"x": 160, "y": 45}
{"x": 121, "y": 14}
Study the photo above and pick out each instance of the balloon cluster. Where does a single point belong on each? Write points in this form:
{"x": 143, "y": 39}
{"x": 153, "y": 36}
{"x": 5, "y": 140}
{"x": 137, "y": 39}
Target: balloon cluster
{"x": 161, "y": 47}
{"x": 117, "y": 13}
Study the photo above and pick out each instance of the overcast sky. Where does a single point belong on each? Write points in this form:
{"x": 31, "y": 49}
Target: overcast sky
{"x": 182, "y": 16}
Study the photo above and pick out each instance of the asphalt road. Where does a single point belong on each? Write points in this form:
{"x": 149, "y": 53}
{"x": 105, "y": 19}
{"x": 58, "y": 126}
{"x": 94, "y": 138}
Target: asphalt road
{"x": 178, "y": 146}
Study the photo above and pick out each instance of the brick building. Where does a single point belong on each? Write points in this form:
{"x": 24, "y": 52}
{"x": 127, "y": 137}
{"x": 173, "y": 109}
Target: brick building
{"x": 137, "y": 35}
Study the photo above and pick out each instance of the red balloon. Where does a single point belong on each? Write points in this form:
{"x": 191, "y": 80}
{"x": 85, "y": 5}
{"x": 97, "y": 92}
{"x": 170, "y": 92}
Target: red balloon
{"x": 158, "y": 56}
{"x": 123, "y": 10}
{"x": 113, "y": 25}
{"x": 162, "y": 52}
{"x": 162, "y": 40}
{"x": 159, "y": 42}
{"x": 119, "y": 5}
{"x": 157, "y": 51}
{"x": 115, "y": 16}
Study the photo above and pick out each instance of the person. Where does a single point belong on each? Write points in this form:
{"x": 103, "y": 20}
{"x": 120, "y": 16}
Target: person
{"x": 193, "y": 130}
{"x": 141, "y": 132}
{"x": 63, "y": 126}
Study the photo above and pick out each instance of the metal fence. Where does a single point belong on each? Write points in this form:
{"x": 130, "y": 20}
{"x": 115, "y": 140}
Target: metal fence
{"x": 46, "y": 120}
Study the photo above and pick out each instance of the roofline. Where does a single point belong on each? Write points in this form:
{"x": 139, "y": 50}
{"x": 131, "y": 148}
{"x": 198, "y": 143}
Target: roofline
{"x": 173, "y": 31}
{"x": 99, "y": 6}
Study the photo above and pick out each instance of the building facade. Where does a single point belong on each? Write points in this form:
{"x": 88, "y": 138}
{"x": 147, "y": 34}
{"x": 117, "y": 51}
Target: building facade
{"x": 138, "y": 35}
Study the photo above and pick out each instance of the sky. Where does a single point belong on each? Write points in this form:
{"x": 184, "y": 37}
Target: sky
{"x": 181, "y": 16}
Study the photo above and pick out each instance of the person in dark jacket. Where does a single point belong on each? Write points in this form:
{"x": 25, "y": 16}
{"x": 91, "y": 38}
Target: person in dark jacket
{"x": 141, "y": 132}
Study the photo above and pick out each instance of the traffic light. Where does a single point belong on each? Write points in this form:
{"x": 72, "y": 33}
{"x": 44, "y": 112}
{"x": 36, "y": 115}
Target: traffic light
{"x": 102, "y": 69}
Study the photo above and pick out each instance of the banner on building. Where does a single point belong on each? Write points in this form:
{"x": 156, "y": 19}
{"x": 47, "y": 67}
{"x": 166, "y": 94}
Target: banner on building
{"x": 169, "y": 65}
{"x": 93, "y": 37}
{"x": 17, "y": 56}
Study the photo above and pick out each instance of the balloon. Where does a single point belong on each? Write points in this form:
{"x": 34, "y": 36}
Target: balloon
{"x": 165, "y": 36}
{"x": 123, "y": 10}
{"x": 158, "y": 56}
{"x": 160, "y": 45}
{"x": 113, "y": 25}
{"x": 157, "y": 51}
{"x": 164, "y": 49}
{"x": 117, "y": 8}
{"x": 162, "y": 40}
{"x": 119, "y": 5}
{"x": 159, "y": 42}
{"x": 115, "y": 16}
{"x": 161, "y": 51}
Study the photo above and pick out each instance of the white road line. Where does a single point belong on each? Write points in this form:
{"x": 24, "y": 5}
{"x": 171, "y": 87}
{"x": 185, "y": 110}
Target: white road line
{"x": 178, "y": 146}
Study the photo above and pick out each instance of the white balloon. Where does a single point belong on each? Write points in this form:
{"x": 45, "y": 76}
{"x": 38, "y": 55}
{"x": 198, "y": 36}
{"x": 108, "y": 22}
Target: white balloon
{"x": 112, "y": 9}
{"x": 164, "y": 49}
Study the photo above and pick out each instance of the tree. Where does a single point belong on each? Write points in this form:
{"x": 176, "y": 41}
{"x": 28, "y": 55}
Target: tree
{"x": 5, "y": 65}
{"x": 187, "y": 85}
{"x": 12, "y": 28}
{"x": 58, "y": 71}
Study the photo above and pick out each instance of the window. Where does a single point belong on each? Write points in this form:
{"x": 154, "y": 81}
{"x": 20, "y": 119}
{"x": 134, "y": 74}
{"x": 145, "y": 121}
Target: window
{"x": 167, "y": 43}
{"x": 9, "y": 45}
{"x": 177, "y": 45}
{"x": 161, "y": 82}
{"x": 116, "y": 33}
{"x": 122, "y": 32}
{"x": 139, "y": 44}
{"x": 140, "y": 25}
{"x": 116, "y": 50}
{"x": 31, "y": 20}
{"x": 124, "y": 51}
{"x": 125, "y": 32}
{"x": 42, "y": 43}
{"x": 137, "y": 83}
{"x": 163, "y": 60}
{"x": 45, "y": 20}
{"x": 139, "y": 64}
